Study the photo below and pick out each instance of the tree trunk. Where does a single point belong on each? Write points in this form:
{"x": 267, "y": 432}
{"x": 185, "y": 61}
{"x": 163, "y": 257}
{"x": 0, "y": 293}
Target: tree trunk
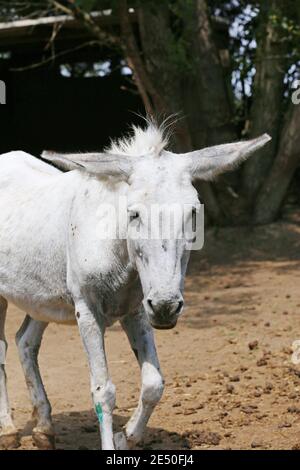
{"x": 149, "y": 94}
{"x": 159, "y": 46}
{"x": 275, "y": 187}
{"x": 266, "y": 112}
{"x": 208, "y": 104}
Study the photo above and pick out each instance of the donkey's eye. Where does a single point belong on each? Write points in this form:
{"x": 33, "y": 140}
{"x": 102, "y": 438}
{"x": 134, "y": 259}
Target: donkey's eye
{"x": 133, "y": 216}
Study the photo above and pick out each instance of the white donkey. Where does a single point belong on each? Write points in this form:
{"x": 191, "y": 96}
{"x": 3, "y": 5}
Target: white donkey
{"x": 56, "y": 265}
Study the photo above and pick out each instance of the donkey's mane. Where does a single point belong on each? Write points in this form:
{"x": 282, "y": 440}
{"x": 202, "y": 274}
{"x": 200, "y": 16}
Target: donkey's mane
{"x": 141, "y": 141}
{"x": 151, "y": 139}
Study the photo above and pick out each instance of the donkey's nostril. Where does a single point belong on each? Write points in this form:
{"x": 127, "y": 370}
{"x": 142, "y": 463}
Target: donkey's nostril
{"x": 180, "y": 305}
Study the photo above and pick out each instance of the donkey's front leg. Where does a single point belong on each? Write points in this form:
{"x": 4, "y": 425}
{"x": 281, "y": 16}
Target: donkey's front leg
{"x": 103, "y": 391}
{"x": 141, "y": 338}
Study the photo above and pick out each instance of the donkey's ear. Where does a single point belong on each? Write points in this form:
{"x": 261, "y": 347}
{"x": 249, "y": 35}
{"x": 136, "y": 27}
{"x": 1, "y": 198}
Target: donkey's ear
{"x": 61, "y": 161}
{"x": 97, "y": 163}
{"x": 208, "y": 163}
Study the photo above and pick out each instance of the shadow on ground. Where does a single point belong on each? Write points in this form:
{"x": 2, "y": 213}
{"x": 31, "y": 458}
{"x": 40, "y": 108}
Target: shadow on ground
{"x": 80, "y": 430}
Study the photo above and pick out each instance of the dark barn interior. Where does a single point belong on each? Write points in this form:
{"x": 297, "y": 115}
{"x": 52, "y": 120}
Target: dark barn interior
{"x": 60, "y": 99}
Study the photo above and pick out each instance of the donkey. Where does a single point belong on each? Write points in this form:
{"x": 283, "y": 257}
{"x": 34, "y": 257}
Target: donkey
{"x": 56, "y": 265}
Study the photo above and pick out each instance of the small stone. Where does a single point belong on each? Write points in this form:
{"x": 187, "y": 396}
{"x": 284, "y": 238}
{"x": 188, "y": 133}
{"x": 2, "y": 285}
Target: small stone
{"x": 257, "y": 444}
{"x": 284, "y": 425}
{"x": 189, "y": 412}
{"x": 248, "y": 409}
{"x": 268, "y": 388}
{"x": 253, "y": 345}
{"x": 293, "y": 410}
{"x": 261, "y": 416}
{"x": 229, "y": 388}
{"x": 207, "y": 437}
{"x": 235, "y": 378}
{"x": 262, "y": 362}
{"x": 176, "y": 404}
{"x": 232, "y": 341}
{"x": 199, "y": 406}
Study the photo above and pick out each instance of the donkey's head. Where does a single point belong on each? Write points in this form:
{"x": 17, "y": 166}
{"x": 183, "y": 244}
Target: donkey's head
{"x": 162, "y": 204}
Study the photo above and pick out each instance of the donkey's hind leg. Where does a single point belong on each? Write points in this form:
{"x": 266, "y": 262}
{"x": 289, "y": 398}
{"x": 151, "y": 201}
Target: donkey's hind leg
{"x": 9, "y": 437}
{"x": 28, "y": 340}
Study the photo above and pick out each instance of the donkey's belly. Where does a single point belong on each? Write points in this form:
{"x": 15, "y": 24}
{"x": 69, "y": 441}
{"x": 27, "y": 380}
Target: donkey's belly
{"x": 43, "y": 298}
{"x": 63, "y": 314}
{"x": 55, "y": 310}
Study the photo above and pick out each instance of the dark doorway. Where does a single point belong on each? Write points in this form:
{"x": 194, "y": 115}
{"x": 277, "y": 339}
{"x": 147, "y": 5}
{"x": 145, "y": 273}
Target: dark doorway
{"x": 63, "y": 106}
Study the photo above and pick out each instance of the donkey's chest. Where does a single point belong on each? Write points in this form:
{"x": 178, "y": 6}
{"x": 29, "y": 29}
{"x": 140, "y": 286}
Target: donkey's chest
{"x": 114, "y": 299}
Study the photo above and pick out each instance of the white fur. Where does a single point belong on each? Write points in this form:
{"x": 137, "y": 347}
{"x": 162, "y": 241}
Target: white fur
{"x": 151, "y": 140}
{"x": 56, "y": 266}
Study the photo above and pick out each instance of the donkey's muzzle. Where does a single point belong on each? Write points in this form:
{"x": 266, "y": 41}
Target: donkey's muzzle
{"x": 163, "y": 314}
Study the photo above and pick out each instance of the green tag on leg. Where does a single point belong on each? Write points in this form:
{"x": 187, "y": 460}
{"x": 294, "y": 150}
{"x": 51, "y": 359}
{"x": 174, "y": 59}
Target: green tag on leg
{"x": 99, "y": 412}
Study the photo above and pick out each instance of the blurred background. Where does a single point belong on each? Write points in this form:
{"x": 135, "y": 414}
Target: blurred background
{"x": 78, "y": 72}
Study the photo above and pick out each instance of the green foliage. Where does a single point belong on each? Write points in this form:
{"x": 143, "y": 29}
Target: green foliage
{"x": 86, "y": 5}
{"x": 287, "y": 28}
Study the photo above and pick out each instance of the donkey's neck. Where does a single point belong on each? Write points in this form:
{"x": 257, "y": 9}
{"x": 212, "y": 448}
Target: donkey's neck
{"x": 101, "y": 205}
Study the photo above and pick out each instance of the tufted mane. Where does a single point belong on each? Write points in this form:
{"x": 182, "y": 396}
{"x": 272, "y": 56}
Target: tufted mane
{"x": 151, "y": 139}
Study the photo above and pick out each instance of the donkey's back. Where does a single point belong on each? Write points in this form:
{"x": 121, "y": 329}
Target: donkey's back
{"x": 17, "y": 163}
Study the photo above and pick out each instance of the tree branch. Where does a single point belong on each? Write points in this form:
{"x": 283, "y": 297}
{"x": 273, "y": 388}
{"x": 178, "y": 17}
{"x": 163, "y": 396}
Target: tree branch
{"x": 88, "y": 21}
{"x": 52, "y": 58}
{"x": 143, "y": 81}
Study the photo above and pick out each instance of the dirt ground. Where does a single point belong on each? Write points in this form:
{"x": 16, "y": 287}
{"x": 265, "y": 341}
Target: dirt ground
{"x": 230, "y": 382}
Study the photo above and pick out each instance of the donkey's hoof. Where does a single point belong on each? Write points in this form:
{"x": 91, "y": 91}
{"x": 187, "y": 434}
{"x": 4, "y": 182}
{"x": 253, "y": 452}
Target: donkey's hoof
{"x": 121, "y": 441}
{"x": 10, "y": 441}
{"x": 43, "y": 441}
